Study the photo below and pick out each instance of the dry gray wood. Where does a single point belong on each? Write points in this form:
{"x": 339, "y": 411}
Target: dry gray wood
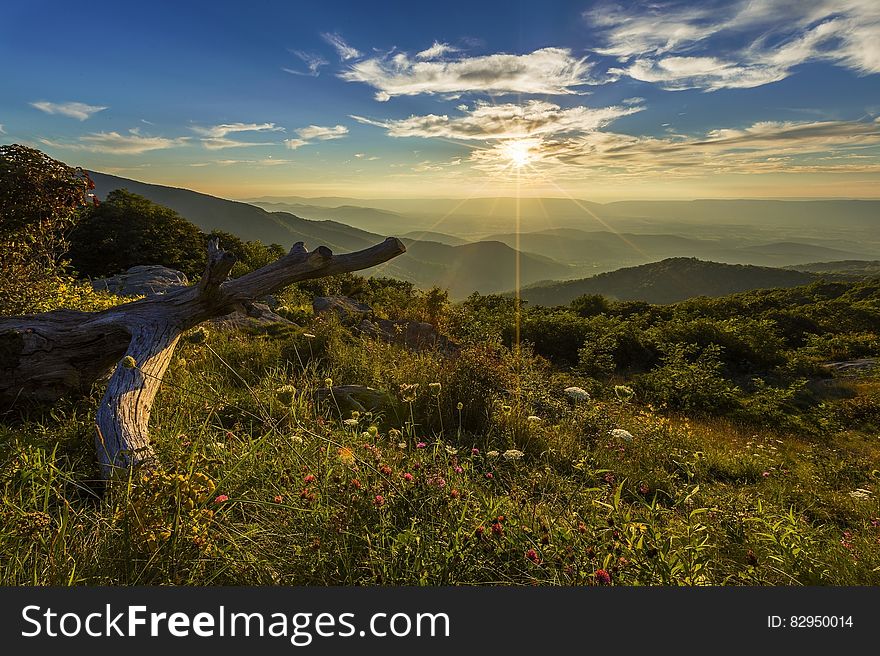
{"x": 44, "y": 357}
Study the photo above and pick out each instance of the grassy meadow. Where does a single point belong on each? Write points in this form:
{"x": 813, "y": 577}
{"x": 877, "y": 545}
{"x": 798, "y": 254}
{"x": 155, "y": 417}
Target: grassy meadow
{"x": 704, "y": 444}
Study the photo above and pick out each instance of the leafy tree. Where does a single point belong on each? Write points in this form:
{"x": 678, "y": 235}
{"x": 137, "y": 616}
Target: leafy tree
{"x": 127, "y": 230}
{"x": 40, "y": 200}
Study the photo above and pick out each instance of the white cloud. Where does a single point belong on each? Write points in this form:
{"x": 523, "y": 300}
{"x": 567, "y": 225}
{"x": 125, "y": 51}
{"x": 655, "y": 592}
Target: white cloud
{"x": 312, "y": 61}
{"x": 2, "y": 131}
{"x": 507, "y": 121}
{"x": 293, "y": 144}
{"x": 214, "y": 137}
{"x": 344, "y": 50}
{"x": 322, "y": 133}
{"x": 758, "y": 41}
{"x": 435, "y": 51}
{"x": 77, "y": 110}
{"x": 554, "y": 71}
{"x": 119, "y": 144}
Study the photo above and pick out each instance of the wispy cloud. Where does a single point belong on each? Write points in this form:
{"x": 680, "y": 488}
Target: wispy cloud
{"x": 215, "y": 137}
{"x": 436, "y": 50}
{"x": 553, "y": 71}
{"x": 77, "y": 110}
{"x": 534, "y": 118}
{"x": 322, "y": 133}
{"x": 293, "y": 144}
{"x": 114, "y": 143}
{"x": 763, "y": 147}
{"x": 312, "y": 61}
{"x": 344, "y": 50}
{"x": 741, "y": 44}
{"x": 2, "y": 130}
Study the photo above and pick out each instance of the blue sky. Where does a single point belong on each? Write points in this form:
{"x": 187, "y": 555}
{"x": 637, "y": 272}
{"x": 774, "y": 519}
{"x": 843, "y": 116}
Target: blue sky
{"x": 597, "y": 100}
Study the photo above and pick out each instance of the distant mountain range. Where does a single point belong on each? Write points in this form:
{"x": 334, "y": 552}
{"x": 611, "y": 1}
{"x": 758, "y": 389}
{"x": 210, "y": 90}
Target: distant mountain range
{"x": 668, "y": 281}
{"x": 476, "y": 259}
{"x": 486, "y": 267}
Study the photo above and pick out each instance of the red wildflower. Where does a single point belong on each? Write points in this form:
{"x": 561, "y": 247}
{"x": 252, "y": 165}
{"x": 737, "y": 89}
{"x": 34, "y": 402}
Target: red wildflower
{"x": 532, "y": 555}
{"x": 356, "y": 484}
{"x": 221, "y": 498}
{"x": 421, "y": 445}
{"x": 498, "y": 529}
{"x": 379, "y": 500}
{"x": 475, "y": 451}
{"x": 454, "y": 494}
{"x": 309, "y": 479}
{"x": 385, "y": 469}
{"x": 278, "y": 498}
{"x": 489, "y": 475}
{"x": 408, "y": 477}
{"x": 602, "y": 577}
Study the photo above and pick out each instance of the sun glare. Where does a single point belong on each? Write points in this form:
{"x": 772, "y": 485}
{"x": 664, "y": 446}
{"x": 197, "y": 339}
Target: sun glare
{"x": 519, "y": 152}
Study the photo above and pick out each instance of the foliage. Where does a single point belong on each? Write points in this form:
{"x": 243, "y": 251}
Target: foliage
{"x": 127, "y": 230}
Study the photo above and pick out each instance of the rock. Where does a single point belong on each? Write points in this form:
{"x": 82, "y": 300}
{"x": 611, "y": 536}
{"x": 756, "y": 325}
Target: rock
{"x": 347, "y": 309}
{"x": 250, "y": 315}
{"x": 412, "y": 334}
{"x": 142, "y": 280}
{"x": 357, "y": 397}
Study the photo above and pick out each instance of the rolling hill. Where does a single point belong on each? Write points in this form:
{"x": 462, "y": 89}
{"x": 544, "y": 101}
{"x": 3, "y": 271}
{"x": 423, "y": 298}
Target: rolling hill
{"x": 667, "y": 281}
{"x": 487, "y": 267}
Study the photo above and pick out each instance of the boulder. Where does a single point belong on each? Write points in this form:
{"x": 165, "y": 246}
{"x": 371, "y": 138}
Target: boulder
{"x": 347, "y": 309}
{"x": 142, "y": 280}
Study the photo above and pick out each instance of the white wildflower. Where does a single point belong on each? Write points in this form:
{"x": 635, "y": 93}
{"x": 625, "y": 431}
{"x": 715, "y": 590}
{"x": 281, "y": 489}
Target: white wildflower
{"x": 513, "y": 454}
{"x": 577, "y": 394}
{"x": 492, "y": 454}
{"x": 296, "y": 439}
{"x": 451, "y": 450}
{"x": 621, "y": 434}
{"x": 351, "y": 423}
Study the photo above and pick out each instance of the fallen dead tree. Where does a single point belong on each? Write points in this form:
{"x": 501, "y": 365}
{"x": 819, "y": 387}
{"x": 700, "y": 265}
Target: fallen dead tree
{"x": 46, "y": 356}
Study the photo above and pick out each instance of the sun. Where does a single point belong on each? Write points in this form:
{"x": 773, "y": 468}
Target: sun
{"x": 519, "y": 152}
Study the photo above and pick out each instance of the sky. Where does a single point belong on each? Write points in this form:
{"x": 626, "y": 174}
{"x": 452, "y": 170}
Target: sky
{"x": 594, "y": 100}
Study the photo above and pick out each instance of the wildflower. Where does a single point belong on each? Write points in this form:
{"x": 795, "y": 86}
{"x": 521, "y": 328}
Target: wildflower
{"x": 492, "y": 454}
{"x": 421, "y": 445}
{"x": 385, "y": 469}
{"x": 475, "y": 451}
{"x": 296, "y": 439}
{"x": 379, "y": 500}
{"x": 328, "y": 382}
{"x": 278, "y": 498}
{"x": 309, "y": 479}
{"x": 373, "y": 431}
{"x": 451, "y": 450}
{"x": 458, "y": 469}
{"x": 602, "y": 577}
{"x": 351, "y": 423}
{"x": 459, "y": 406}
{"x": 454, "y": 494}
{"x": 437, "y": 481}
{"x": 479, "y": 531}
{"x": 286, "y": 394}
{"x": 765, "y": 474}
{"x": 356, "y": 484}
{"x": 221, "y": 498}
{"x": 401, "y": 445}
{"x": 532, "y": 555}
{"x": 621, "y": 434}
{"x": 408, "y": 392}
{"x": 128, "y": 362}
{"x": 577, "y": 394}
{"x": 355, "y": 415}
{"x": 435, "y": 388}
{"x": 512, "y": 454}
{"x": 199, "y": 336}
{"x": 643, "y": 488}
{"x": 497, "y": 529}
{"x": 408, "y": 477}
{"x": 489, "y": 475}
{"x": 623, "y": 392}
{"x": 346, "y": 456}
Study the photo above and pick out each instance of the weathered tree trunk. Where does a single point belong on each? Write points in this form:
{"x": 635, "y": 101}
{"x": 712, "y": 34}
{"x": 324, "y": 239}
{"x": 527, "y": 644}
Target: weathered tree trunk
{"x": 44, "y": 357}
